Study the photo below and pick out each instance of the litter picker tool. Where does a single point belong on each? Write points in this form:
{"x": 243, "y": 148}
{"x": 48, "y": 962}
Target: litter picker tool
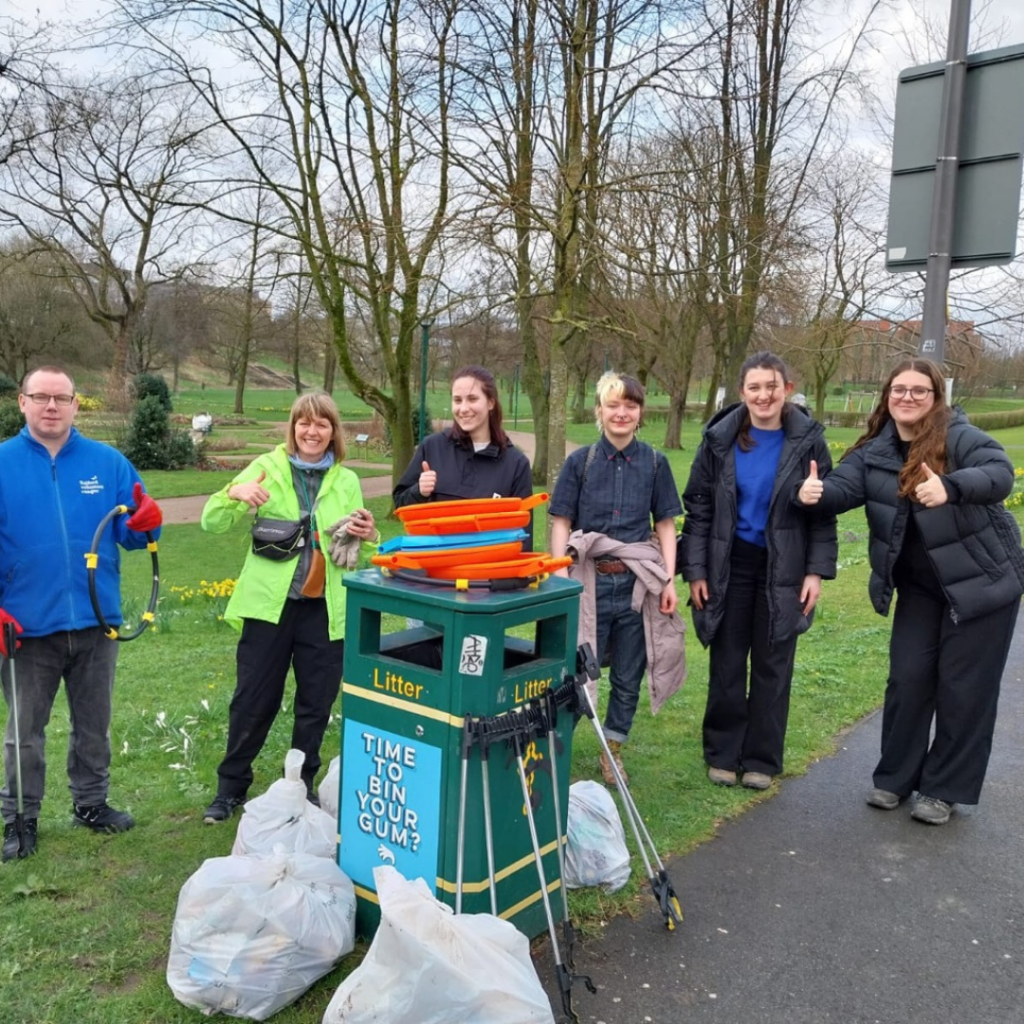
{"x": 92, "y": 559}
{"x": 563, "y": 973}
{"x": 11, "y": 642}
{"x": 588, "y": 668}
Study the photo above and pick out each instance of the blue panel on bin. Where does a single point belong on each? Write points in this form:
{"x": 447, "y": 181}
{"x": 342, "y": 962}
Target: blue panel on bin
{"x": 391, "y": 810}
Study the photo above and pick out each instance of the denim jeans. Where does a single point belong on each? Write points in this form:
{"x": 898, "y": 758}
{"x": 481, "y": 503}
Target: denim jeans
{"x": 85, "y": 659}
{"x": 621, "y": 630}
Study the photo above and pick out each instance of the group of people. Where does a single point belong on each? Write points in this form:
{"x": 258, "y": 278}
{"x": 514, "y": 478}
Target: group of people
{"x": 759, "y": 537}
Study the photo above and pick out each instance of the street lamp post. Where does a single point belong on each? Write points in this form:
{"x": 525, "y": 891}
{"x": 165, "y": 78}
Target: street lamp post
{"x": 424, "y": 339}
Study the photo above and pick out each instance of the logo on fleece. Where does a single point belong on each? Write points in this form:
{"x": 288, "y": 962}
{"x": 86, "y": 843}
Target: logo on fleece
{"x": 90, "y": 486}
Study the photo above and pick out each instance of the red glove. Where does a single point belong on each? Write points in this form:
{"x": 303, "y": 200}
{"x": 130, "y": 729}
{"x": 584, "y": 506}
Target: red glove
{"x": 147, "y": 515}
{"x": 5, "y": 617}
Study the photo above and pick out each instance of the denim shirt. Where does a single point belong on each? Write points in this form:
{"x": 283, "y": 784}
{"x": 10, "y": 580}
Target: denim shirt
{"x": 624, "y": 491}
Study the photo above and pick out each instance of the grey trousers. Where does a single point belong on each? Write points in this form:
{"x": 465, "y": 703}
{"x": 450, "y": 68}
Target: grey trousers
{"x": 85, "y": 659}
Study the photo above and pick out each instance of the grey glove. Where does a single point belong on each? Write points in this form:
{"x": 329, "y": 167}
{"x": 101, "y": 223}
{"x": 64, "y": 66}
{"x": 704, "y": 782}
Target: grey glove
{"x": 343, "y": 549}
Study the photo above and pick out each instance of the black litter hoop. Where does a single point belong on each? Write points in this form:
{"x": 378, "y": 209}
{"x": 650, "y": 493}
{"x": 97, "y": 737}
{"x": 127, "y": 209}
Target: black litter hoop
{"x": 506, "y": 583}
{"x": 92, "y": 559}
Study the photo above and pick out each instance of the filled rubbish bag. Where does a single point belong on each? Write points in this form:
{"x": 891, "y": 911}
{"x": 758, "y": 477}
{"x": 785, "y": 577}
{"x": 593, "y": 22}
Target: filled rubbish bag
{"x": 329, "y": 788}
{"x": 284, "y": 817}
{"x": 595, "y": 849}
{"x": 427, "y": 965}
{"x": 252, "y": 933}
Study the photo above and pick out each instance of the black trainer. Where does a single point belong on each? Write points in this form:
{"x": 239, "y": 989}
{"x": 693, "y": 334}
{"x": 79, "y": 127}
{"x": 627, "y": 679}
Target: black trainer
{"x": 222, "y": 808}
{"x": 103, "y": 818}
{"x": 13, "y": 848}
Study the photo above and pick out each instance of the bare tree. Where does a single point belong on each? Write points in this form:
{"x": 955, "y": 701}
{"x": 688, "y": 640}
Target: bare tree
{"x": 102, "y": 189}
{"x": 343, "y": 117}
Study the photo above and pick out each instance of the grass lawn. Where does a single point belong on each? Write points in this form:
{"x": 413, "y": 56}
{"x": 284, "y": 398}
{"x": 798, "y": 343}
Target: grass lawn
{"x": 85, "y": 925}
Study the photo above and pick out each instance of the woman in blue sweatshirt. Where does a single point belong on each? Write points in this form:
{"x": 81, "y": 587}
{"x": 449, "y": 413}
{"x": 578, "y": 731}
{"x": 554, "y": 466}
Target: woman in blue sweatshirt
{"x": 754, "y": 562}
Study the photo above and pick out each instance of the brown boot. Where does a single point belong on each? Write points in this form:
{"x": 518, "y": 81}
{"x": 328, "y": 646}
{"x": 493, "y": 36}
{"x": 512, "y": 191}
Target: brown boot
{"x": 606, "y": 769}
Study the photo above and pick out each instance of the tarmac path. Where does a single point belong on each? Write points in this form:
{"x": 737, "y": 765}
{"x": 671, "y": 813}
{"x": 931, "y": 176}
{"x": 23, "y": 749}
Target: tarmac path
{"x": 814, "y": 908}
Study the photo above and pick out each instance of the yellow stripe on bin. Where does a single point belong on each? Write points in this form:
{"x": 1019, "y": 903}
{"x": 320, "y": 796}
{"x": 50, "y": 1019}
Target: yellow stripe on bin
{"x": 499, "y": 876}
{"x": 411, "y": 707}
{"x": 509, "y": 912}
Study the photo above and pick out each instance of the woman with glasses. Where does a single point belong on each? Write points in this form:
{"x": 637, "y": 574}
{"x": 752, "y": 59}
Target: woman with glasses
{"x": 755, "y": 564}
{"x": 944, "y": 543}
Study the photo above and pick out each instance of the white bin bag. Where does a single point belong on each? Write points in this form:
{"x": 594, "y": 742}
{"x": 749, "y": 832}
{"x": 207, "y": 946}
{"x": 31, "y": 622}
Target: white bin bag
{"x": 427, "y": 965}
{"x": 252, "y": 933}
{"x": 595, "y": 849}
{"x": 284, "y": 817}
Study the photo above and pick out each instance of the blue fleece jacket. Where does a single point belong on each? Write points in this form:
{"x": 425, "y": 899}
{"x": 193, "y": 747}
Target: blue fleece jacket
{"x": 49, "y": 510}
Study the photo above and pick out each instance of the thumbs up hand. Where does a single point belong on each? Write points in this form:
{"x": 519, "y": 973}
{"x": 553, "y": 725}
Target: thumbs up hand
{"x": 812, "y": 488}
{"x": 931, "y": 492}
{"x": 252, "y": 492}
{"x": 428, "y": 480}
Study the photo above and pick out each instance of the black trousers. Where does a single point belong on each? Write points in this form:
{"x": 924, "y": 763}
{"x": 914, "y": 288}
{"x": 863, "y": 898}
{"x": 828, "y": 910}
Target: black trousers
{"x": 741, "y": 729}
{"x": 949, "y": 672}
{"x": 265, "y": 653}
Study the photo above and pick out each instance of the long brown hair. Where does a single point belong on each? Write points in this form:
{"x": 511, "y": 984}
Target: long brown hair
{"x": 929, "y": 442}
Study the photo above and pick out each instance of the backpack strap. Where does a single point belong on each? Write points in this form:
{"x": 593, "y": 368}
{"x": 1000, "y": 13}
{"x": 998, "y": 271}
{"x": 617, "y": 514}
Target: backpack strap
{"x": 591, "y": 456}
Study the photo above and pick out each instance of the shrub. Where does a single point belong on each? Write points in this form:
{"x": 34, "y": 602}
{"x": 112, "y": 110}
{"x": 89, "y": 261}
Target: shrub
{"x": 152, "y": 444}
{"x": 151, "y": 385}
{"x": 11, "y": 419}
{"x": 997, "y": 420}
{"x": 8, "y": 387}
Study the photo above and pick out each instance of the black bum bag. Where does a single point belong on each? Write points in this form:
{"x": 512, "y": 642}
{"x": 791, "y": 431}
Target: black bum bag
{"x": 278, "y": 539}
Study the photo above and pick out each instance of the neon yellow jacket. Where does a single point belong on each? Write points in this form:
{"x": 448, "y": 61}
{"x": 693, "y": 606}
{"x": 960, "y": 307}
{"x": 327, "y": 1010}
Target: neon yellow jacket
{"x": 263, "y": 584}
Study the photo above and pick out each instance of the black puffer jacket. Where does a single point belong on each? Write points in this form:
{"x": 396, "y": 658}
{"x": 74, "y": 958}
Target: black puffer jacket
{"x": 798, "y": 544}
{"x": 972, "y": 541}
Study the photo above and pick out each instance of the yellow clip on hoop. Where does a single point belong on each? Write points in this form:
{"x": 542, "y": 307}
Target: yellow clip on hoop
{"x": 92, "y": 559}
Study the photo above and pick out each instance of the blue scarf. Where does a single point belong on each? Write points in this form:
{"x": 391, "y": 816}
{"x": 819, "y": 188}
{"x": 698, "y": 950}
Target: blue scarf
{"x": 325, "y": 463}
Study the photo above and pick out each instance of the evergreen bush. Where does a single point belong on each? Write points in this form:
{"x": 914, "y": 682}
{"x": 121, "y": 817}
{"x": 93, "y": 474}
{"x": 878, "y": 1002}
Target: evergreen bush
{"x": 151, "y": 385}
{"x": 11, "y": 418}
{"x": 8, "y": 386}
{"x": 152, "y": 444}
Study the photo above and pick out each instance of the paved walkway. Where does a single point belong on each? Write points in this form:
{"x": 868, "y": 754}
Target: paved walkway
{"x": 190, "y": 509}
{"x": 813, "y": 908}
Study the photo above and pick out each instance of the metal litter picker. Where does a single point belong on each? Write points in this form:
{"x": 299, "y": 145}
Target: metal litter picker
{"x": 661, "y": 886}
{"x": 11, "y": 642}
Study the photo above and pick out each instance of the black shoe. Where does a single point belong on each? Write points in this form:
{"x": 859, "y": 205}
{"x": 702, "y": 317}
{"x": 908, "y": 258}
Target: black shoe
{"x": 222, "y": 809}
{"x": 103, "y": 818}
{"x": 23, "y": 846}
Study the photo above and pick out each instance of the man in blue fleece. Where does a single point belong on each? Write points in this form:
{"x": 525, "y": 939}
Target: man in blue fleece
{"x": 55, "y": 488}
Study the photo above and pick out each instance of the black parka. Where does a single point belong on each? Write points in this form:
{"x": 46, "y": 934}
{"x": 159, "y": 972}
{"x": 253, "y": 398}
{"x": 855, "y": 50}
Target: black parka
{"x": 972, "y": 541}
{"x": 799, "y": 544}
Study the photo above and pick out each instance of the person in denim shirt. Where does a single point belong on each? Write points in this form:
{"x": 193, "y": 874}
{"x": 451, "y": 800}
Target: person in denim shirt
{"x": 616, "y": 488}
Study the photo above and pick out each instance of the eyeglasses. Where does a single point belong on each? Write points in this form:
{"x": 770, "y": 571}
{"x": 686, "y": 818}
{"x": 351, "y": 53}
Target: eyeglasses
{"x": 42, "y": 399}
{"x": 918, "y": 394}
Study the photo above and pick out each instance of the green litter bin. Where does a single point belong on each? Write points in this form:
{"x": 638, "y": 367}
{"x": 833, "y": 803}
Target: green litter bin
{"x": 405, "y": 698}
